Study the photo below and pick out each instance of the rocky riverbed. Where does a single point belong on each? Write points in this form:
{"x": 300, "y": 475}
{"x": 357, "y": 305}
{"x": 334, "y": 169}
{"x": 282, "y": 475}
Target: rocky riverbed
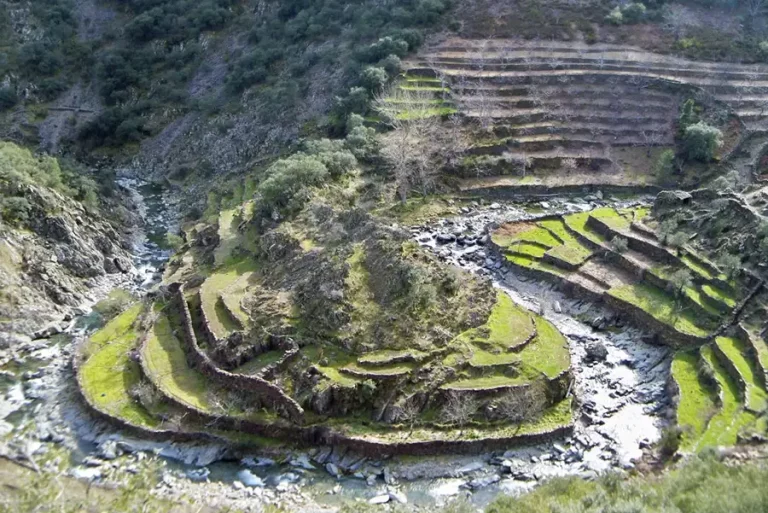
{"x": 619, "y": 384}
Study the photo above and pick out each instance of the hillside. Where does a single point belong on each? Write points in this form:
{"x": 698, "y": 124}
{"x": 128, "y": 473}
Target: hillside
{"x": 387, "y": 252}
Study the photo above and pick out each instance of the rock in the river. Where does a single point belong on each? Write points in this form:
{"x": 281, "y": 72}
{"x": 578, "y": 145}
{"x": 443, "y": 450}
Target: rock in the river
{"x": 397, "y": 495}
{"x": 596, "y": 352}
{"x": 247, "y": 477}
{"x": 333, "y": 470}
{"x": 379, "y": 499}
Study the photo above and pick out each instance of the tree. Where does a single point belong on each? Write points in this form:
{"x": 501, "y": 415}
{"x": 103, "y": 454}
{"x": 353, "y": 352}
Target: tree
{"x": 409, "y": 146}
{"x": 666, "y": 167}
{"x": 688, "y": 115}
{"x": 701, "y": 141}
{"x": 679, "y": 281}
{"x": 288, "y": 180}
{"x": 374, "y": 79}
{"x": 523, "y": 405}
{"x": 458, "y": 409}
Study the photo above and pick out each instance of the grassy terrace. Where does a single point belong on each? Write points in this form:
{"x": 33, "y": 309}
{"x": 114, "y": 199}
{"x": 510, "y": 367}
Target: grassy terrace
{"x": 227, "y": 237}
{"x": 559, "y": 415}
{"x": 167, "y": 368}
{"x": 663, "y": 307}
{"x": 578, "y": 223}
{"x": 108, "y": 375}
{"x": 229, "y": 282}
{"x": 725, "y": 425}
{"x": 696, "y": 403}
{"x": 254, "y": 365}
{"x": 508, "y": 327}
{"x": 736, "y": 351}
{"x": 546, "y": 355}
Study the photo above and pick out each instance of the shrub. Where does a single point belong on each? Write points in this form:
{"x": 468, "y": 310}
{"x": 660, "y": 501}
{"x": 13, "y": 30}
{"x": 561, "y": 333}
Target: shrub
{"x": 15, "y": 210}
{"x": 619, "y": 244}
{"x": 730, "y": 265}
{"x": 288, "y": 180}
{"x": 666, "y": 168}
{"x": 332, "y": 153}
{"x": 679, "y": 281}
{"x": 633, "y": 13}
{"x": 374, "y": 79}
{"x": 391, "y": 64}
{"x": 701, "y": 141}
{"x": 688, "y": 115}
{"x": 615, "y": 17}
{"x": 8, "y": 97}
{"x": 173, "y": 241}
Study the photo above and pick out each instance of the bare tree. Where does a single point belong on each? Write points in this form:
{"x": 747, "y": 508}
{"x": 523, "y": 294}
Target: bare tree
{"x": 569, "y": 164}
{"x": 524, "y": 405}
{"x": 406, "y": 148}
{"x": 459, "y": 409}
{"x": 756, "y": 7}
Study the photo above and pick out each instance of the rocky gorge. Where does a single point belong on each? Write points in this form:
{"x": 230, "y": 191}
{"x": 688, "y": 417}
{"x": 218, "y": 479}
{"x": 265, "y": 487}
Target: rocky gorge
{"x": 619, "y": 386}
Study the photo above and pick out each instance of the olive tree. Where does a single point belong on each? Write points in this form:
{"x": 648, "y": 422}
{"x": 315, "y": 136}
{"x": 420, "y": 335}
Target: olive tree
{"x": 701, "y": 141}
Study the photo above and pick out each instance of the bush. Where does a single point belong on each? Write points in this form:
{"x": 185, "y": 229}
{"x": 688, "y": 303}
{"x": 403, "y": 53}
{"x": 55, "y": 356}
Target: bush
{"x": 619, "y": 244}
{"x": 336, "y": 158}
{"x": 15, "y": 210}
{"x": 730, "y": 265}
{"x": 8, "y": 97}
{"x": 286, "y": 187}
{"x": 666, "y": 168}
{"x": 374, "y": 79}
{"x": 701, "y": 141}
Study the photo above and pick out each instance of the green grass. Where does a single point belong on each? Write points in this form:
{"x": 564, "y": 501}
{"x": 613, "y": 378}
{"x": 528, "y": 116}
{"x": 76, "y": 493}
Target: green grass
{"x": 221, "y": 322}
{"x": 167, "y": 368}
{"x": 387, "y": 356}
{"x": 426, "y": 113}
{"x": 557, "y": 227}
{"x": 109, "y": 375}
{"x": 724, "y": 426}
{"x": 257, "y": 363}
{"x": 508, "y": 326}
{"x": 416, "y": 78}
{"x": 532, "y": 263}
{"x": 486, "y": 382}
{"x": 227, "y": 237}
{"x": 394, "y": 369}
{"x": 719, "y": 294}
{"x": 611, "y": 217}
{"x": 761, "y": 348}
{"x": 700, "y": 485}
{"x": 548, "y": 353}
{"x": 662, "y": 307}
{"x": 481, "y": 358}
{"x": 737, "y": 352}
{"x": 578, "y": 223}
{"x": 573, "y": 253}
{"x": 695, "y": 295}
{"x": 112, "y": 330}
{"x": 694, "y": 266}
{"x": 434, "y": 89}
{"x": 526, "y": 248}
{"x": 696, "y": 403}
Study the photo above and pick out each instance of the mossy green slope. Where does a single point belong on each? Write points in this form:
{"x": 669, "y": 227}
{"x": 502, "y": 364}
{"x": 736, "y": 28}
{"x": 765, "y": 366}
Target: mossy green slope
{"x": 696, "y": 404}
{"x": 108, "y": 376}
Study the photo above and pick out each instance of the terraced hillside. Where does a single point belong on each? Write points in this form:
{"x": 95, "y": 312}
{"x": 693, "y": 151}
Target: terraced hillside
{"x": 614, "y": 256}
{"x": 235, "y": 351}
{"x": 597, "y": 113}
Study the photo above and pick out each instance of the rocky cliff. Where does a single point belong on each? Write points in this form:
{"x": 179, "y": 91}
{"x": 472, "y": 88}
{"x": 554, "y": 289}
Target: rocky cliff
{"x": 56, "y": 253}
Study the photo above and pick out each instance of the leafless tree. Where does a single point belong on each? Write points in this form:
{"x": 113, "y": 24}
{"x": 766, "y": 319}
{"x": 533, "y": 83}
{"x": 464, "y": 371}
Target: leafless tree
{"x": 407, "y": 146}
{"x": 407, "y": 411}
{"x": 569, "y": 164}
{"x": 524, "y": 405}
{"x": 459, "y": 409}
{"x": 756, "y": 7}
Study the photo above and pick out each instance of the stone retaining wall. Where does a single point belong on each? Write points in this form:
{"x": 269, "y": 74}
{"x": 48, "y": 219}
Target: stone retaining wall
{"x": 511, "y": 192}
{"x": 237, "y": 382}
